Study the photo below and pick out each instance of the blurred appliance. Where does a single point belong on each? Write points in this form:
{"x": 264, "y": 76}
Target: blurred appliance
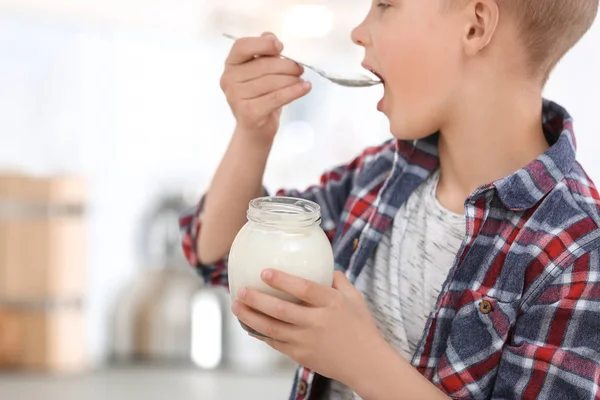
{"x": 167, "y": 315}
{"x": 158, "y": 314}
{"x": 43, "y": 260}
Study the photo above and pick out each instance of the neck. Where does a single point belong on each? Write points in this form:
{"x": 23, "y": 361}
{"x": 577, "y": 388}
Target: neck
{"x": 488, "y": 138}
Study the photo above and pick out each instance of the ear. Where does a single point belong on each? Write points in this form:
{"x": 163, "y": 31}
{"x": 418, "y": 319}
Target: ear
{"x": 482, "y": 21}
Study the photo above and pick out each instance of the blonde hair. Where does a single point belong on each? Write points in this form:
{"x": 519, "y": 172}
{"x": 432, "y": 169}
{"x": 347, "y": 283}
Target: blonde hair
{"x": 550, "y": 28}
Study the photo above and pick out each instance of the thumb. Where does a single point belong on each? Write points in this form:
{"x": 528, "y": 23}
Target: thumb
{"x": 268, "y": 34}
{"x": 341, "y": 283}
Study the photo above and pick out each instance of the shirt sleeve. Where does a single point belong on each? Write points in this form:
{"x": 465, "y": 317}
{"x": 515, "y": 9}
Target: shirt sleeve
{"x": 331, "y": 194}
{"x": 556, "y": 348}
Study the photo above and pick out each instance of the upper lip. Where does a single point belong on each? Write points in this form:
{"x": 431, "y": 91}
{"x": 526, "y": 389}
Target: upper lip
{"x": 372, "y": 70}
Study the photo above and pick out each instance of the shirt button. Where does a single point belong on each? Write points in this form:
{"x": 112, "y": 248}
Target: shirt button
{"x": 302, "y": 388}
{"x": 355, "y": 244}
{"x": 485, "y": 307}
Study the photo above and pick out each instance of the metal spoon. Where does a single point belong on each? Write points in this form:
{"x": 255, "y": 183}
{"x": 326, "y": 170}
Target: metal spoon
{"x": 360, "y": 80}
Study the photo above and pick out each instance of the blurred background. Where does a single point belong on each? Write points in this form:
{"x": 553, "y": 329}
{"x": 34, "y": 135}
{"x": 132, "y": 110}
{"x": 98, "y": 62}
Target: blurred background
{"x": 111, "y": 123}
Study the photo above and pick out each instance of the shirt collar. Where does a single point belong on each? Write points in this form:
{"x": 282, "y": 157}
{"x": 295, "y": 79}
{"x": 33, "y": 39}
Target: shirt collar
{"x": 526, "y": 187}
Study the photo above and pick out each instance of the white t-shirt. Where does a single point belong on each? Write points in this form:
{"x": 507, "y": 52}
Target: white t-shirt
{"x": 403, "y": 278}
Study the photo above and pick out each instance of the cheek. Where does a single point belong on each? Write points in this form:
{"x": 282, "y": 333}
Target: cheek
{"x": 420, "y": 65}
{"x": 421, "y": 74}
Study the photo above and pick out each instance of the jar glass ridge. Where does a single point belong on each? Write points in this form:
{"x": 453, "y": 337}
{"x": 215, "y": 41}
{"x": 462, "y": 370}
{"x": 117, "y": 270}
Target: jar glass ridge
{"x": 284, "y": 212}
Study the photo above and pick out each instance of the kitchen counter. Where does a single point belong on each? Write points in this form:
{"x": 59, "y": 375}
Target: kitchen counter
{"x": 144, "y": 383}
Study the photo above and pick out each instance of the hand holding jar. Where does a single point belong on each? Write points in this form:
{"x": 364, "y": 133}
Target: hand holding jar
{"x": 283, "y": 293}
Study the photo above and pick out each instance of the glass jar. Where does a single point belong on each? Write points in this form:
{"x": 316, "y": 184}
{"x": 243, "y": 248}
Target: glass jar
{"x": 282, "y": 233}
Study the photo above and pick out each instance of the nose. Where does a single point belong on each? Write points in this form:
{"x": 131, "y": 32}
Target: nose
{"x": 360, "y": 35}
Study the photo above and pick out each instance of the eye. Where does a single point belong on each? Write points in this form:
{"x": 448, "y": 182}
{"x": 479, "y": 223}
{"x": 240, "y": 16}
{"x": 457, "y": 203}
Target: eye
{"x": 383, "y": 5}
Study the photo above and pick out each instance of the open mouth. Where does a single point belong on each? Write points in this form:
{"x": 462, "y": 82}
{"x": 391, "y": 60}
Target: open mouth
{"x": 381, "y": 103}
{"x": 378, "y": 76}
{"x": 371, "y": 70}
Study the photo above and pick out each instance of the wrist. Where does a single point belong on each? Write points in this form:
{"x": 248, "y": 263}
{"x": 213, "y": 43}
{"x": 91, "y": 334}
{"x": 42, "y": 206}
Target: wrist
{"x": 386, "y": 375}
{"x": 252, "y": 140}
{"x": 249, "y": 150}
{"x": 377, "y": 356}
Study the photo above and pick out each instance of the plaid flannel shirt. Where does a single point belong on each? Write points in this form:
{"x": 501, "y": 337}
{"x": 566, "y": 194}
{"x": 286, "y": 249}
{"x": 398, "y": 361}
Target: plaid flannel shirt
{"x": 519, "y": 313}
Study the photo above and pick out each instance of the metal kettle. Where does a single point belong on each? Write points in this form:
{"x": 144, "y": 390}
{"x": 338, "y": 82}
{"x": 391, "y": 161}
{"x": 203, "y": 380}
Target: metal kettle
{"x": 157, "y": 315}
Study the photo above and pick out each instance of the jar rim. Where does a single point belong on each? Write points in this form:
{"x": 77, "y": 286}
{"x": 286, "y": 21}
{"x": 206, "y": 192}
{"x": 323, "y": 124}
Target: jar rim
{"x": 279, "y": 210}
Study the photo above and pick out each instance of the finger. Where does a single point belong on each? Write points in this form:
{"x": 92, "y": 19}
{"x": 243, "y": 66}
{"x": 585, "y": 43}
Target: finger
{"x": 341, "y": 282}
{"x": 261, "y": 323}
{"x": 246, "y": 49}
{"x": 308, "y": 291}
{"x": 264, "y": 66}
{"x": 282, "y": 347}
{"x": 275, "y": 308}
{"x": 273, "y": 101}
{"x": 262, "y": 339}
{"x": 266, "y": 84}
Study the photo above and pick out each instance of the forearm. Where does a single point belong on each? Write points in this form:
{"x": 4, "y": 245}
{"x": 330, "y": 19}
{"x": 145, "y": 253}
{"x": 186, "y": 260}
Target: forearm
{"x": 237, "y": 180}
{"x": 385, "y": 375}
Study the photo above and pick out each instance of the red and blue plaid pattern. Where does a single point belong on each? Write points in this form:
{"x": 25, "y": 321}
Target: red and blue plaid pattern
{"x": 519, "y": 314}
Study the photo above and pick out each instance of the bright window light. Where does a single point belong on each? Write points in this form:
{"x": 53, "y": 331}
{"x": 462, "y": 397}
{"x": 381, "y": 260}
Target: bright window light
{"x": 307, "y": 21}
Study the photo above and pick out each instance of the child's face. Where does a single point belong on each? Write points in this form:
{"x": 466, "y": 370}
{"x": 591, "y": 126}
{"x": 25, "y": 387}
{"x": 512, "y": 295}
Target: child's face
{"x": 415, "y": 47}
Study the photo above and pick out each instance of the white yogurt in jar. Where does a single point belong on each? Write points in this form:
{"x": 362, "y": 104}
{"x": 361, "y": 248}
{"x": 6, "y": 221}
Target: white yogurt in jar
{"x": 282, "y": 233}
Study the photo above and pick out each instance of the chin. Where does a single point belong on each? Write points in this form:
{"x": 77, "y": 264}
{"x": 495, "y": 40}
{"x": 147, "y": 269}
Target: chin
{"x": 405, "y": 129}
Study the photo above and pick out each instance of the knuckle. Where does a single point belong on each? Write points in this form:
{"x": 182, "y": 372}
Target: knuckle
{"x": 304, "y": 289}
{"x": 275, "y": 97}
{"x": 271, "y": 331}
{"x": 250, "y": 299}
{"x": 268, "y": 44}
{"x": 280, "y": 311}
{"x": 223, "y": 83}
{"x": 296, "y": 69}
{"x": 290, "y": 67}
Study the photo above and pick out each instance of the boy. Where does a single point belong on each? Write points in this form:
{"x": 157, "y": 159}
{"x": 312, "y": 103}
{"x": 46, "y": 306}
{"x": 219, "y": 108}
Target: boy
{"x": 463, "y": 278}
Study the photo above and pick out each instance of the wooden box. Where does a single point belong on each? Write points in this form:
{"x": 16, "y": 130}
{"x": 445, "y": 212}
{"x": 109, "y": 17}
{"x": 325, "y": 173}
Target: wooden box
{"x": 42, "y": 238}
{"x": 11, "y": 338}
{"x": 43, "y": 272}
{"x": 43, "y": 340}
